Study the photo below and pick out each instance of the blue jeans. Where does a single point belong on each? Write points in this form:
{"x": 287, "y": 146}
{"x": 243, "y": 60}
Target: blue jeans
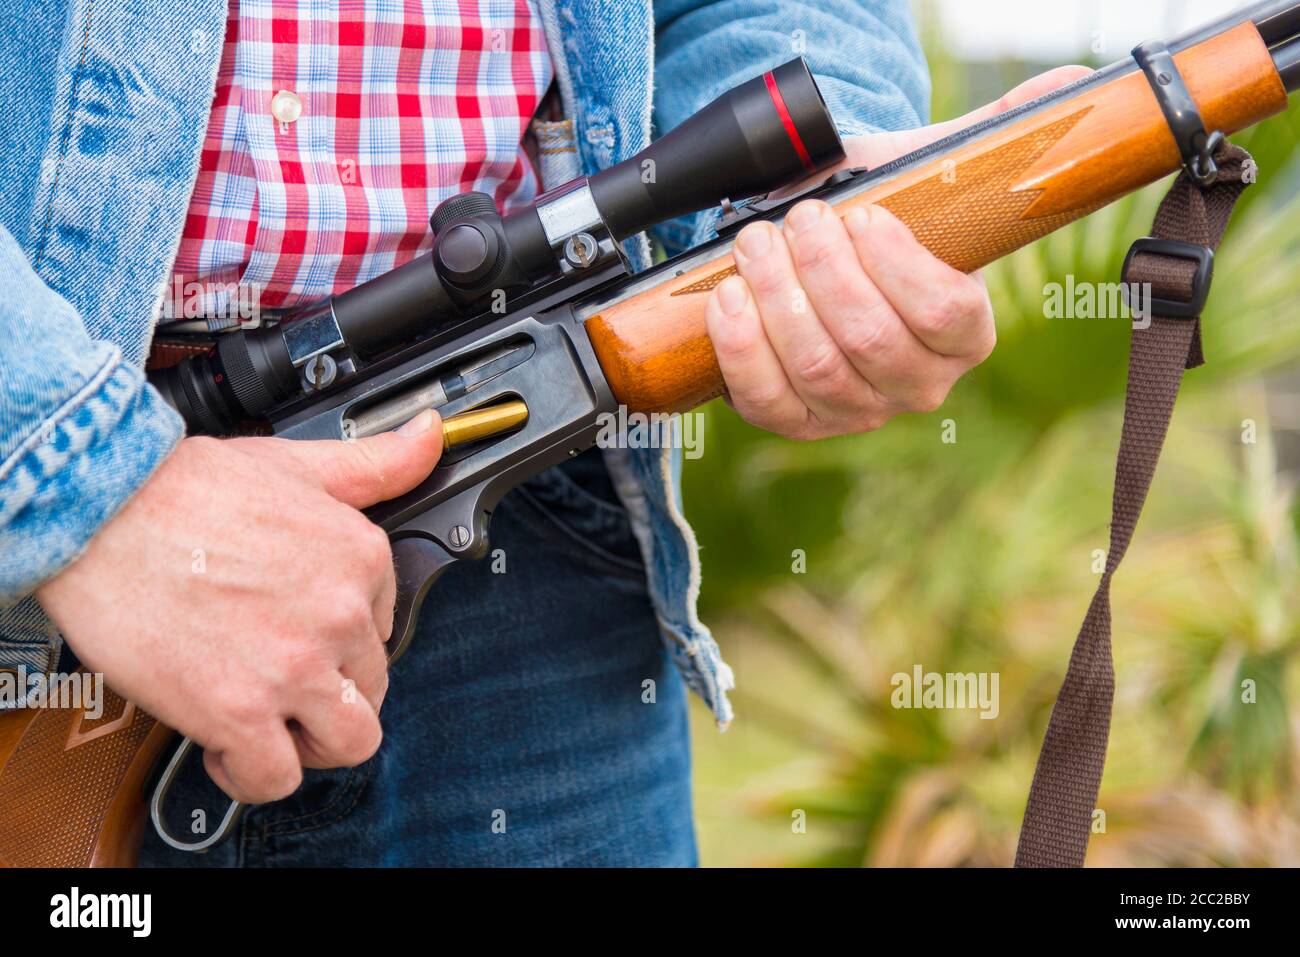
{"x": 517, "y": 730}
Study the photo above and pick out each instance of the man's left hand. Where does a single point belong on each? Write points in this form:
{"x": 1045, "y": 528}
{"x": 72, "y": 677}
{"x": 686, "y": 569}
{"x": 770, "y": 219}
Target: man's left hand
{"x": 834, "y": 325}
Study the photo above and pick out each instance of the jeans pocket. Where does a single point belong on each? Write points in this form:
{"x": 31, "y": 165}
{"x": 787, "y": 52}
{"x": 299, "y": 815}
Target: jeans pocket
{"x": 574, "y": 505}
{"x": 324, "y": 798}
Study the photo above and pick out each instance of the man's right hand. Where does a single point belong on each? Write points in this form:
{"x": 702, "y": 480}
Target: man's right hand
{"x": 243, "y": 599}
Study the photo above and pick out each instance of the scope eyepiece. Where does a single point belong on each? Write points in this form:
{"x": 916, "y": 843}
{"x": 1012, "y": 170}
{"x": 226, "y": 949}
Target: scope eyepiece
{"x": 764, "y": 134}
{"x": 240, "y": 378}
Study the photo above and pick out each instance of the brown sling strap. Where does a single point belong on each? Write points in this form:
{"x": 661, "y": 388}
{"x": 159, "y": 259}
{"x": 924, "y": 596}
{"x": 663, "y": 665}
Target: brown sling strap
{"x": 1176, "y": 260}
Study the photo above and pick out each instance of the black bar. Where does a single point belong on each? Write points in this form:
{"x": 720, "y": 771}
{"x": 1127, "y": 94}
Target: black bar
{"x": 342, "y": 909}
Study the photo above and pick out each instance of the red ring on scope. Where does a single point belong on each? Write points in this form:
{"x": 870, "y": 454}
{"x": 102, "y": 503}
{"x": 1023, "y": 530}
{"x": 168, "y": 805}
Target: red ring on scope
{"x": 787, "y": 121}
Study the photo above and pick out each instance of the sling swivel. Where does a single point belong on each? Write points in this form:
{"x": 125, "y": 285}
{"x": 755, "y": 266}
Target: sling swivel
{"x": 1196, "y": 146}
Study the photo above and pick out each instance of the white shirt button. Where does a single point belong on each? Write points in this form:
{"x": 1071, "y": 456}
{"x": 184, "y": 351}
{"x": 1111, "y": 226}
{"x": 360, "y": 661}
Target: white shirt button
{"x": 286, "y": 107}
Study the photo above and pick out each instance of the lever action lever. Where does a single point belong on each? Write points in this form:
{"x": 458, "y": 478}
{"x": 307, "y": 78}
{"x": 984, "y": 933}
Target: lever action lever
{"x": 418, "y": 564}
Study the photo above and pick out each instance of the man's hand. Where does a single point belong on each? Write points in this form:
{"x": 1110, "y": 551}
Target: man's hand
{"x": 835, "y": 326}
{"x": 241, "y": 598}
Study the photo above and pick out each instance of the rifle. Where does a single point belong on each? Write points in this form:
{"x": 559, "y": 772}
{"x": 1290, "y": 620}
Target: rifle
{"x": 538, "y": 308}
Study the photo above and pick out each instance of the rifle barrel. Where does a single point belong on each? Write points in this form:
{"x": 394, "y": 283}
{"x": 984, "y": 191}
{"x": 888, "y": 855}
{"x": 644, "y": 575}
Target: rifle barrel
{"x": 970, "y": 198}
{"x": 1286, "y": 57}
{"x": 1279, "y": 25}
{"x": 1278, "y": 22}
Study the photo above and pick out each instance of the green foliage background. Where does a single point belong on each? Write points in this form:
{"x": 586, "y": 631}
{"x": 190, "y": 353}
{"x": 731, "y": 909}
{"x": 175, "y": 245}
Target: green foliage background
{"x": 978, "y": 556}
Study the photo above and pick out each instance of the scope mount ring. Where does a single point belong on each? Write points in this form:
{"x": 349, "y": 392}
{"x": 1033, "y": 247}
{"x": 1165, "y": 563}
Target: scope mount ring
{"x": 1196, "y": 146}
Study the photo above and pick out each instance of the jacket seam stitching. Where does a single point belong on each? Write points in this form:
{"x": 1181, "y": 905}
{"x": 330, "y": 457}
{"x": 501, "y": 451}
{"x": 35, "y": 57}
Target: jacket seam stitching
{"x": 61, "y": 414}
{"x": 66, "y": 136}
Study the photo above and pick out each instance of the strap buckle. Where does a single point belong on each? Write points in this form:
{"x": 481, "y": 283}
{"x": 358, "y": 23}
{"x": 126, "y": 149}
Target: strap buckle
{"x": 1203, "y": 256}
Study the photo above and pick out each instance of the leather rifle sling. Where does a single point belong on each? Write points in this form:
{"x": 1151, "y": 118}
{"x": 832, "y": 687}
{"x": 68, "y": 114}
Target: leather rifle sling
{"x": 1191, "y": 220}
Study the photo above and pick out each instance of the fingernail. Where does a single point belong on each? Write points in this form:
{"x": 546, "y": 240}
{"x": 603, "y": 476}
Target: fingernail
{"x": 804, "y": 217}
{"x": 732, "y": 295}
{"x": 856, "y": 220}
{"x": 754, "y": 241}
{"x": 420, "y": 424}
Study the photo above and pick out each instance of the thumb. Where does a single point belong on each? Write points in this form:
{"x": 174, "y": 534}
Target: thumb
{"x": 362, "y": 472}
{"x": 1031, "y": 89}
{"x": 876, "y": 149}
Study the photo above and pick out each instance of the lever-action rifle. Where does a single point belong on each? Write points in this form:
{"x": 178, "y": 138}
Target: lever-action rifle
{"x": 538, "y": 307}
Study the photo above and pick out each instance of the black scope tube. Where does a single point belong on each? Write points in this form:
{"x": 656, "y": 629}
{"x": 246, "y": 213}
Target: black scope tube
{"x": 393, "y": 308}
{"x": 754, "y": 138}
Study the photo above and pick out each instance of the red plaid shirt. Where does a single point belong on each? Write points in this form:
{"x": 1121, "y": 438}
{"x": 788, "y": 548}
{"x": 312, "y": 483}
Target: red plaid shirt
{"x": 399, "y": 103}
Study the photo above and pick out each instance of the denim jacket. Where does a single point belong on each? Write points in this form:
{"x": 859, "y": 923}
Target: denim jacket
{"x": 105, "y": 106}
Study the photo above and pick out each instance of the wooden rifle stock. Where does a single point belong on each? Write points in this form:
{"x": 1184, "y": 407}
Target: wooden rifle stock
{"x": 72, "y": 788}
{"x": 72, "y": 784}
{"x": 969, "y": 205}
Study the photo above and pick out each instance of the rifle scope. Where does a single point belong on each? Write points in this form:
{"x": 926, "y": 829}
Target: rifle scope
{"x": 757, "y": 137}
